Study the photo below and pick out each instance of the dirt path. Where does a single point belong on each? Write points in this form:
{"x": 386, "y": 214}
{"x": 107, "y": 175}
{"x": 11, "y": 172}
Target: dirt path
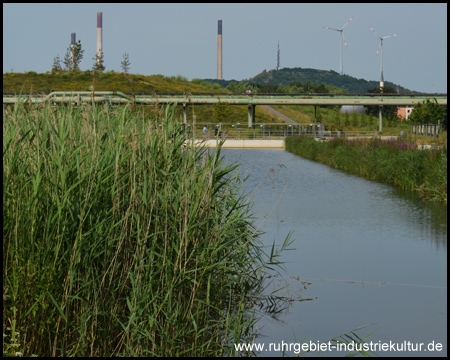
{"x": 284, "y": 117}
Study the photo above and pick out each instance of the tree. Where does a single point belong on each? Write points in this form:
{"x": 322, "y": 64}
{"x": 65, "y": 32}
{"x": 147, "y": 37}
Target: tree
{"x": 67, "y": 60}
{"x": 307, "y": 86}
{"x": 56, "y": 63}
{"x": 98, "y": 64}
{"x": 428, "y": 113}
{"x": 221, "y": 111}
{"x": 242, "y": 87}
{"x": 318, "y": 114}
{"x": 267, "y": 88}
{"x": 125, "y": 63}
{"x": 77, "y": 53}
{"x": 73, "y": 57}
{"x": 321, "y": 88}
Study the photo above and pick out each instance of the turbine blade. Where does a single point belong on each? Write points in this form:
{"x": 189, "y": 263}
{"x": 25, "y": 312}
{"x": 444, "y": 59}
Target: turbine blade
{"x": 374, "y": 32}
{"x": 385, "y": 37}
{"x": 381, "y": 44}
{"x": 330, "y": 28}
{"x": 345, "y": 42}
{"x": 347, "y": 23}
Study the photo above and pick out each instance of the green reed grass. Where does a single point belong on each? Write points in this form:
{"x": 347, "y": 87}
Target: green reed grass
{"x": 395, "y": 161}
{"x": 120, "y": 240}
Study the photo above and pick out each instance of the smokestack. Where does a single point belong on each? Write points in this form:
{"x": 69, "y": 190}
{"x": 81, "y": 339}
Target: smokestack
{"x": 219, "y": 51}
{"x": 278, "y": 56}
{"x": 99, "y": 32}
{"x": 72, "y": 44}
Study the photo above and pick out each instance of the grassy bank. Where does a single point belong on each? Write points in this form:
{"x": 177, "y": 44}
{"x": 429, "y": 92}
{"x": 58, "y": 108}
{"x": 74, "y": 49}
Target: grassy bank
{"x": 118, "y": 240}
{"x": 396, "y": 162}
{"x": 108, "y": 80}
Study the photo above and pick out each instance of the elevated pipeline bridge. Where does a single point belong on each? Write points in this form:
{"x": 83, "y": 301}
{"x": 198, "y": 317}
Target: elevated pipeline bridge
{"x": 250, "y": 100}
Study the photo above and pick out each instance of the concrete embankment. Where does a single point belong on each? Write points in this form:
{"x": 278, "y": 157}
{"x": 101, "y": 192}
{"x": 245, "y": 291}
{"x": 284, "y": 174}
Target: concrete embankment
{"x": 243, "y": 144}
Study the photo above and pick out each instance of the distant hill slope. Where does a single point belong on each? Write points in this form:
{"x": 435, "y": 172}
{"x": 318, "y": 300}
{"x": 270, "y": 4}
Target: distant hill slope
{"x": 285, "y": 76}
{"x": 107, "y": 81}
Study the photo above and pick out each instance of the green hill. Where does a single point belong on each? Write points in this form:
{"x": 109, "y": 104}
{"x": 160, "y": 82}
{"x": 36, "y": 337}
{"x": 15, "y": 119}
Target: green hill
{"x": 286, "y": 76}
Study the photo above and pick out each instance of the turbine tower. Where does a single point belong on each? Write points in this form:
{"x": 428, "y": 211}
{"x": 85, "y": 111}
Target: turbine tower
{"x": 341, "y": 30}
{"x": 381, "y": 47}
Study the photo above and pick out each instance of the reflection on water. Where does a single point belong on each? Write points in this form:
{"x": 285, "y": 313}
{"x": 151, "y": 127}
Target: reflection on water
{"x": 430, "y": 217}
{"x": 372, "y": 253}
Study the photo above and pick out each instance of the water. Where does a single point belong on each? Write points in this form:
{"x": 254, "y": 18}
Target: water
{"x": 364, "y": 253}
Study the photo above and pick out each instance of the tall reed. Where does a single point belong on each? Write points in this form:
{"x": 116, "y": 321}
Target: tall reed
{"x": 120, "y": 240}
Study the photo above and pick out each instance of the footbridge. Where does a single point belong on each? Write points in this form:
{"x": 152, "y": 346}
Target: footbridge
{"x": 250, "y": 100}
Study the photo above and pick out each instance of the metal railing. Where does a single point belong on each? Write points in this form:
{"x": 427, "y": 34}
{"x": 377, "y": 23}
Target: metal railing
{"x": 267, "y": 131}
{"x": 426, "y": 129}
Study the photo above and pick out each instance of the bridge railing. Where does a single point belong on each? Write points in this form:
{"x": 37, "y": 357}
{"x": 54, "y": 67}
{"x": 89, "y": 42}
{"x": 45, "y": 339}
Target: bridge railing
{"x": 267, "y": 131}
{"x": 118, "y": 97}
{"x": 241, "y": 131}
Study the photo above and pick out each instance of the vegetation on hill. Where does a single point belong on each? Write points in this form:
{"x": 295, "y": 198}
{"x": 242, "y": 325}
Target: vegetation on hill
{"x": 286, "y": 76}
{"x": 110, "y": 80}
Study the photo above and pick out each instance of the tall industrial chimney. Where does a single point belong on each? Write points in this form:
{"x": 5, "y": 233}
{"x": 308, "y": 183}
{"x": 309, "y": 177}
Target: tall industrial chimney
{"x": 278, "y": 56}
{"x": 99, "y": 34}
{"x": 219, "y": 52}
{"x": 72, "y": 45}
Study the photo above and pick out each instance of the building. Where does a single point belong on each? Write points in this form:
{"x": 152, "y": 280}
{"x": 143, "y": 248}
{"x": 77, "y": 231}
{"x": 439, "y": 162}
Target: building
{"x": 403, "y": 112}
{"x": 352, "y": 108}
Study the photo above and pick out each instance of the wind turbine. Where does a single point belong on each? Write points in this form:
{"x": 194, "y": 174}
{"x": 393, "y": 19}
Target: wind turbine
{"x": 341, "y": 30}
{"x": 381, "y": 47}
{"x": 380, "y": 121}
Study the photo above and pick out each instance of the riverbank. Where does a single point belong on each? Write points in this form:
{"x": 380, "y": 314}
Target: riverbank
{"x": 397, "y": 161}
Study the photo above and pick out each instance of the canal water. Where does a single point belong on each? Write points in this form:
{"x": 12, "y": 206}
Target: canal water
{"x": 364, "y": 254}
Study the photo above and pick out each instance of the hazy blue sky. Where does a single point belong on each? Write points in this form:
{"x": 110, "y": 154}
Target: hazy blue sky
{"x": 172, "y": 39}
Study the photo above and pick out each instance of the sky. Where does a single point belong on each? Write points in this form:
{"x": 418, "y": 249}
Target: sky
{"x": 181, "y": 39}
